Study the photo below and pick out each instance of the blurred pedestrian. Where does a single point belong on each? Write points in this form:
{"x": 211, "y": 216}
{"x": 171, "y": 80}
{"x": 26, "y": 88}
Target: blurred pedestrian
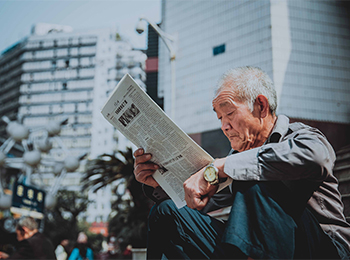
{"x": 32, "y": 243}
{"x": 81, "y": 250}
{"x": 61, "y": 250}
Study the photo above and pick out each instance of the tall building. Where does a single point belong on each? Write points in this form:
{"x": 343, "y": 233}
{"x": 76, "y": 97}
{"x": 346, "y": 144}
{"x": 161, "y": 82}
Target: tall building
{"x": 303, "y": 46}
{"x": 56, "y": 74}
{"x": 152, "y": 66}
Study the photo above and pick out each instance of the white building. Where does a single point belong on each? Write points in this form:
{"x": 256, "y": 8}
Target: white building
{"x": 57, "y": 73}
{"x": 303, "y": 45}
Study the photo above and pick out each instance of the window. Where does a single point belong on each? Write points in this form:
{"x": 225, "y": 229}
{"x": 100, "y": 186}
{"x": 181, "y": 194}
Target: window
{"x": 219, "y": 49}
{"x": 64, "y": 86}
{"x": 67, "y": 63}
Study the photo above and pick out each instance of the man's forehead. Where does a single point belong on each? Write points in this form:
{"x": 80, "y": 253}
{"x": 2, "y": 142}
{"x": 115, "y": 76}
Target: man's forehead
{"x": 223, "y": 98}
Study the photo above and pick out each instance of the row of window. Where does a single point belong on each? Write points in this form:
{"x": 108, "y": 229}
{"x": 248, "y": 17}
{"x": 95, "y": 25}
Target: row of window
{"x": 43, "y": 121}
{"x": 74, "y": 143}
{"x": 56, "y": 108}
{"x": 58, "y": 75}
{"x": 76, "y": 130}
{"x": 48, "y": 54}
{"x": 57, "y": 97}
{"x": 8, "y": 77}
{"x": 136, "y": 73}
{"x": 55, "y": 86}
{"x": 59, "y": 64}
{"x": 61, "y": 42}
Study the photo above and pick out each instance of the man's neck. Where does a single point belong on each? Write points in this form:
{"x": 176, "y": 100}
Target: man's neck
{"x": 268, "y": 125}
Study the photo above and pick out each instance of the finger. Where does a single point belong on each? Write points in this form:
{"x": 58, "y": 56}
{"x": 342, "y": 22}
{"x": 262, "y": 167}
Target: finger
{"x": 144, "y": 171}
{"x": 138, "y": 152}
{"x": 201, "y": 202}
{"x": 191, "y": 201}
{"x": 143, "y": 167}
{"x": 142, "y": 158}
{"x": 150, "y": 181}
{"x": 146, "y": 178}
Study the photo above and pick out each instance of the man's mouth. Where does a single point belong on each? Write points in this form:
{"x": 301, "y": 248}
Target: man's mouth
{"x": 232, "y": 136}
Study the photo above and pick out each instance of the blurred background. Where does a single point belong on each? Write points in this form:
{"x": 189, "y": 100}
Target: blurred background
{"x": 61, "y": 59}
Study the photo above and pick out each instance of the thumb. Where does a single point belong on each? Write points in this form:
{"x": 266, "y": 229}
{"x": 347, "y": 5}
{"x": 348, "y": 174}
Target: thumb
{"x": 201, "y": 202}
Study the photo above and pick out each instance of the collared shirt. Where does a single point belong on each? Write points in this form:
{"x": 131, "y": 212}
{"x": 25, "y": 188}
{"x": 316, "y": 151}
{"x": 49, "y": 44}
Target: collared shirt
{"x": 296, "y": 152}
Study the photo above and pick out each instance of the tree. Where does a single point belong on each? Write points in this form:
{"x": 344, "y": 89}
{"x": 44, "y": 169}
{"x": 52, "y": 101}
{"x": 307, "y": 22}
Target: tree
{"x": 62, "y": 220}
{"x": 129, "y": 219}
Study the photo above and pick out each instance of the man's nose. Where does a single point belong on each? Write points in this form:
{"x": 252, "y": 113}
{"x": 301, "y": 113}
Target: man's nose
{"x": 225, "y": 125}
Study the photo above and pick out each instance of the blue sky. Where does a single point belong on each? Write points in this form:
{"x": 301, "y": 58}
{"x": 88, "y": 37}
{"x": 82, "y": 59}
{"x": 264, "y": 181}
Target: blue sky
{"x": 18, "y": 16}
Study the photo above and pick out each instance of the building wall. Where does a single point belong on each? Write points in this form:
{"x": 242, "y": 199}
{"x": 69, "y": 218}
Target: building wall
{"x": 152, "y": 66}
{"x": 199, "y": 27}
{"x": 302, "y": 45}
{"x": 316, "y": 84}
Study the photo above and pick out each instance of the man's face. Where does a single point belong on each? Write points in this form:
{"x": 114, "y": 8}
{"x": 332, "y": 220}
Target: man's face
{"x": 239, "y": 124}
{"x": 20, "y": 234}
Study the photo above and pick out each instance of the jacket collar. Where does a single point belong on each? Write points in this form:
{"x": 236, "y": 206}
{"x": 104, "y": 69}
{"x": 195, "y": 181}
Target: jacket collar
{"x": 279, "y": 130}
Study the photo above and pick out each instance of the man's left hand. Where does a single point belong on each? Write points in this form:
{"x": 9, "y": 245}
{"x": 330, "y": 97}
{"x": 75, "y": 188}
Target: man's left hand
{"x": 198, "y": 191}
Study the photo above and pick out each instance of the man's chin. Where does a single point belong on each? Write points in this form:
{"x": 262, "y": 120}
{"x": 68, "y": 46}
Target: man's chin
{"x": 237, "y": 147}
{"x": 240, "y": 147}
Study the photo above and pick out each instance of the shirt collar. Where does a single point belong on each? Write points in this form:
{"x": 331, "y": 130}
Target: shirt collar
{"x": 279, "y": 130}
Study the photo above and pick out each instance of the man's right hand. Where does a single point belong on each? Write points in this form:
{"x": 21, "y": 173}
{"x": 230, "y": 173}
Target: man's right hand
{"x": 143, "y": 168}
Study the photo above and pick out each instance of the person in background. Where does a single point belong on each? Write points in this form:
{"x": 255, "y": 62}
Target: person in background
{"x": 32, "y": 243}
{"x": 61, "y": 251}
{"x": 81, "y": 250}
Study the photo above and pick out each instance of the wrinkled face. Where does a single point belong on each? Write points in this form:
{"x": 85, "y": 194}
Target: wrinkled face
{"x": 239, "y": 124}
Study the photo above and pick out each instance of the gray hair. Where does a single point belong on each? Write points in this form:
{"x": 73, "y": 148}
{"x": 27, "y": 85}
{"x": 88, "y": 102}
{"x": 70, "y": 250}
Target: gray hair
{"x": 247, "y": 83}
{"x": 27, "y": 222}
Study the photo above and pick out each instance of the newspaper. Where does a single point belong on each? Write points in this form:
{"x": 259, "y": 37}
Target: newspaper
{"x": 130, "y": 110}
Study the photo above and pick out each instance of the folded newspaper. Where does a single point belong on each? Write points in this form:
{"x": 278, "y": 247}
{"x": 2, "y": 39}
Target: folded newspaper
{"x": 130, "y": 110}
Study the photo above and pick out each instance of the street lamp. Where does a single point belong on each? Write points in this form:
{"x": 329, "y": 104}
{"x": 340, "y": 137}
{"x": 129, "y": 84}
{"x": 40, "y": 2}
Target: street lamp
{"x": 169, "y": 41}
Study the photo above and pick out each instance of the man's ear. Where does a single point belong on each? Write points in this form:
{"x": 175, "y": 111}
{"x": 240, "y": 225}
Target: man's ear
{"x": 263, "y": 105}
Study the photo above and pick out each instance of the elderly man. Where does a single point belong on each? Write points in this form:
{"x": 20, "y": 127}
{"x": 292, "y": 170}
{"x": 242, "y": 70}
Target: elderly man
{"x": 32, "y": 244}
{"x": 284, "y": 196}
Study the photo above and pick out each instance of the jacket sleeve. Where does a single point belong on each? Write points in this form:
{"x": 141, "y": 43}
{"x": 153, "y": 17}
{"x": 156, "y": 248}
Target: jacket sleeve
{"x": 89, "y": 254}
{"x": 74, "y": 255}
{"x": 304, "y": 154}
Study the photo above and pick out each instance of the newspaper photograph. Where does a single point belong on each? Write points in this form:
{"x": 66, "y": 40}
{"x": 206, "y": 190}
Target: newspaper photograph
{"x": 131, "y": 111}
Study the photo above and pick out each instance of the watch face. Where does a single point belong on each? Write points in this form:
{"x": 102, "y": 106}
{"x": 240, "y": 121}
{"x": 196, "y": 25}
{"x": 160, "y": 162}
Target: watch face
{"x": 210, "y": 173}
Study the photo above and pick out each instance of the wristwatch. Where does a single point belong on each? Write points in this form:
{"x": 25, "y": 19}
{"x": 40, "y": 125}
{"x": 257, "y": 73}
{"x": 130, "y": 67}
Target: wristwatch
{"x": 211, "y": 174}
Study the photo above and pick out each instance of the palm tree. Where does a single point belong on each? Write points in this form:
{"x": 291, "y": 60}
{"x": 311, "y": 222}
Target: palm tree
{"x": 129, "y": 221}
{"x": 108, "y": 168}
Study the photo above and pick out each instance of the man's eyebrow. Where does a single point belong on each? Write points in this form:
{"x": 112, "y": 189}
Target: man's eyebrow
{"x": 222, "y": 105}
